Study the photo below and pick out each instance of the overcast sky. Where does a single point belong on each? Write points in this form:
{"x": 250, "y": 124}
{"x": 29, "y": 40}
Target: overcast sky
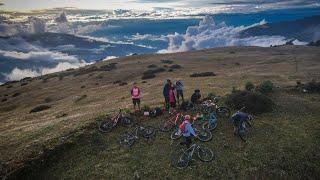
{"x": 23, "y": 5}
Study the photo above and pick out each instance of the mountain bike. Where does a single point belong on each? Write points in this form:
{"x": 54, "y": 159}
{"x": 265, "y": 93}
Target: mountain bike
{"x": 173, "y": 121}
{"x": 109, "y": 123}
{"x": 203, "y": 134}
{"x": 211, "y": 123}
{"x": 129, "y": 138}
{"x": 182, "y": 158}
{"x": 221, "y": 111}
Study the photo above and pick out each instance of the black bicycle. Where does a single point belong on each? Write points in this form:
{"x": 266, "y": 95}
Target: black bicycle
{"x": 182, "y": 157}
{"x": 109, "y": 123}
{"x": 129, "y": 138}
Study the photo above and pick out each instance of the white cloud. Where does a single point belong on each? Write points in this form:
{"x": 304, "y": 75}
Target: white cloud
{"x": 208, "y": 34}
{"x": 48, "y": 56}
{"x": 109, "y": 58}
{"x": 17, "y": 74}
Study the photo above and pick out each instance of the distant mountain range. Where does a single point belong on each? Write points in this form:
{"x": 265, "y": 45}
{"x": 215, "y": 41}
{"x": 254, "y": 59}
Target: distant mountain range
{"x": 306, "y": 29}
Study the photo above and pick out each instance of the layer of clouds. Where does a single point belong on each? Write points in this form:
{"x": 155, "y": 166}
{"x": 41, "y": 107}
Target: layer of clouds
{"x": 47, "y": 56}
{"x": 17, "y": 73}
{"x": 208, "y": 34}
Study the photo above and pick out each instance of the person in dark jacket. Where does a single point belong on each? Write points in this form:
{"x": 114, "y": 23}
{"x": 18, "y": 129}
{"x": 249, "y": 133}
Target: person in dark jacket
{"x": 195, "y": 98}
{"x": 166, "y": 89}
{"x": 179, "y": 88}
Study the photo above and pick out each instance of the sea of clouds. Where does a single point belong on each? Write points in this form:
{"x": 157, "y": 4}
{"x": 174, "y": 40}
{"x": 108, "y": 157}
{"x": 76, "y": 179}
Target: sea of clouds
{"x": 207, "y": 34}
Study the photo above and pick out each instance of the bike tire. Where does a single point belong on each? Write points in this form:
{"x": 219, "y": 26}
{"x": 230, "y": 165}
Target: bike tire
{"x": 180, "y": 160}
{"x": 127, "y": 140}
{"x": 106, "y": 126}
{"x": 243, "y": 135}
{"x": 127, "y": 121}
{"x": 148, "y": 132}
{"x": 174, "y": 135}
{"x": 205, "y": 154}
{"x": 165, "y": 126}
{"x": 205, "y": 136}
{"x": 223, "y": 112}
{"x": 207, "y": 126}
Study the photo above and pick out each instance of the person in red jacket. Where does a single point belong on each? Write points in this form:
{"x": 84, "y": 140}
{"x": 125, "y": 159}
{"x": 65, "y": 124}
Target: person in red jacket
{"x": 135, "y": 95}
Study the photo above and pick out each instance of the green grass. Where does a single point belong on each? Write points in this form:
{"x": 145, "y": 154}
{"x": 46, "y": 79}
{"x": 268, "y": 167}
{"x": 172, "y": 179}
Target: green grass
{"x": 283, "y": 144}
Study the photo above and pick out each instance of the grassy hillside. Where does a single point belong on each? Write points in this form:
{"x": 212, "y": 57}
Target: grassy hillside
{"x": 283, "y": 143}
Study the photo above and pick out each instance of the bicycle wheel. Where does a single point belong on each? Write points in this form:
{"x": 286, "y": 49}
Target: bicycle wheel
{"x": 223, "y": 112}
{"x": 204, "y": 135}
{"x": 106, "y": 126}
{"x": 165, "y": 126}
{"x": 208, "y": 126}
{"x": 175, "y": 135}
{"x": 242, "y": 134}
{"x": 180, "y": 159}
{"x": 148, "y": 132}
{"x": 127, "y": 140}
{"x": 205, "y": 154}
{"x": 127, "y": 121}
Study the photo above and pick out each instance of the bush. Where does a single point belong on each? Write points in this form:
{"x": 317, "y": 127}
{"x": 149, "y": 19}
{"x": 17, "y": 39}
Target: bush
{"x": 152, "y": 66}
{"x": 154, "y": 71}
{"x": 166, "y": 61}
{"x": 123, "y": 83}
{"x": 175, "y": 66}
{"x": 16, "y": 94}
{"x": 249, "y": 86}
{"x": 265, "y": 87}
{"x": 82, "y": 87}
{"x": 203, "y": 74}
{"x": 23, "y": 84}
{"x": 255, "y": 103}
{"x": 40, "y": 108}
{"x": 148, "y": 76}
{"x": 310, "y": 87}
{"x": 4, "y": 100}
{"x": 170, "y": 70}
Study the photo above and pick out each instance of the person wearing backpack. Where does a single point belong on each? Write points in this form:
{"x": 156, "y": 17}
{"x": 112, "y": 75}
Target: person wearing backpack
{"x": 135, "y": 95}
{"x": 187, "y": 131}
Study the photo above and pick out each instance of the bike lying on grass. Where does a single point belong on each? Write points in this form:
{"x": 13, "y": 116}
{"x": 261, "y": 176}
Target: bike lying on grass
{"x": 129, "y": 138}
{"x": 182, "y": 158}
{"x": 203, "y": 134}
{"x": 211, "y": 123}
{"x": 173, "y": 121}
{"x": 109, "y": 123}
{"x": 242, "y": 130}
{"x": 210, "y": 105}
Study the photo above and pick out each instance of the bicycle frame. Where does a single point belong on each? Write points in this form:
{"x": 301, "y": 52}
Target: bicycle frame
{"x": 191, "y": 150}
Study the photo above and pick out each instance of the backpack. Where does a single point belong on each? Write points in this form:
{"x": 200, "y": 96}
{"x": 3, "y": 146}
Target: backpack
{"x": 156, "y": 112}
{"x": 182, "y": 127}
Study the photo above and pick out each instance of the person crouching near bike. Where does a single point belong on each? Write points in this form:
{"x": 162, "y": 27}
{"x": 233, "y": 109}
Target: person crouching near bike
{"x": 135, "y": 95}
{"x": 238, "y": 120}
{"x": 187, "y": 131}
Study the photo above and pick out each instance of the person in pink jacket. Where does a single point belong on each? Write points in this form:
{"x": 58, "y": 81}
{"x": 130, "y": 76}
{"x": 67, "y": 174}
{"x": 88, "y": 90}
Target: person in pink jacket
{"x": 135, "y": 95}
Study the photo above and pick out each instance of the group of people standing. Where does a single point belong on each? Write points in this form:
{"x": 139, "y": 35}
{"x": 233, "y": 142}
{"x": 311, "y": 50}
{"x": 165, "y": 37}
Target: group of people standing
{"x": 172, "y": 92}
